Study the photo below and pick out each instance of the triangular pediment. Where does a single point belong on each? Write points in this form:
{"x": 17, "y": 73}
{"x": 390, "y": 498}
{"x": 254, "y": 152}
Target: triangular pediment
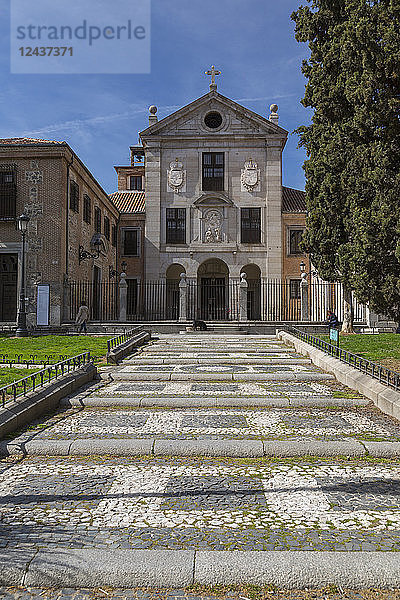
{"x": 213, "y": 200}
{"x": 237, "y": 120}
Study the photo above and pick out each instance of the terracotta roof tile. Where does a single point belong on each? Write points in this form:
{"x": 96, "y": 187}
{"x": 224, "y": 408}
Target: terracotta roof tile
{"x": 293, "y": 200}
{"x": 24, "y": 140}
{"x": 129, "y": 201}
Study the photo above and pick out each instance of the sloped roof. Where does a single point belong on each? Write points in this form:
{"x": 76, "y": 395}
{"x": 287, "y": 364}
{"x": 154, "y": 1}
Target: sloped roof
{"x": 218, "y": 99}
{"x": 128, "y": 201}
{"x": 293, "y": 200}
{"x": 23, "y": 141}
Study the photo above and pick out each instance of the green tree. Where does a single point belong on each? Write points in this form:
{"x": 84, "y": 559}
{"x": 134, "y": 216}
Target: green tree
{"x": 353, "y": 147}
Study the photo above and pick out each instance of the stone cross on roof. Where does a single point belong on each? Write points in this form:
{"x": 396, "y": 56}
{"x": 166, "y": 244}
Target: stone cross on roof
{"x": 213, "y": 72}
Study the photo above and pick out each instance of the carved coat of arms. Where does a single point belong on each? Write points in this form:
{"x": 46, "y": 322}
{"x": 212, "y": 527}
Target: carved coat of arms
{"x": 250, "y": 175}
{"x": 176, "y": 175}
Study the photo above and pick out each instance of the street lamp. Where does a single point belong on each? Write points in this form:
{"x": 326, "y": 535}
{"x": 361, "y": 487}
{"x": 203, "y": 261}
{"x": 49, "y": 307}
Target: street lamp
{"x": 85, "y": 255}
{"x": 113, "y": 272}
{"x": 22, "y": 330}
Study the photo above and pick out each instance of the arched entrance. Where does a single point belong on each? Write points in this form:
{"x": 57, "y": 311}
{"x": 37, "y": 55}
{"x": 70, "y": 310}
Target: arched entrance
{"x": 253, "y": 273}
{"x": 173, "y": 276}
{"x": 213, "y": 278}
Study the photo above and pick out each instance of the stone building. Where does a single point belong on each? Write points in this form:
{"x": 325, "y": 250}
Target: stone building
{"x": 202, "y": 196}
{"x": 215, "y": 205}
{"x": 72, "y": 233}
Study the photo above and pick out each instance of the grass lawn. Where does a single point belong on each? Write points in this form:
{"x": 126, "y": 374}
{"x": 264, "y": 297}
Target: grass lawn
{"x": 54, "y": 346}
{"x": 382, "y": 348}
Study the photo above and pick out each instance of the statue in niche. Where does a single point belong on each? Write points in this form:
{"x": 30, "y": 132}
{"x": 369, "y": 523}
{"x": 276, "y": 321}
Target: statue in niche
{"x": 212, "y": 226}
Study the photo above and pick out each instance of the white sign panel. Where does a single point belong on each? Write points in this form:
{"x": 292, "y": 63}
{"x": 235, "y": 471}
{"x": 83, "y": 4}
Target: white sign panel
{"x": 43, "y": 304}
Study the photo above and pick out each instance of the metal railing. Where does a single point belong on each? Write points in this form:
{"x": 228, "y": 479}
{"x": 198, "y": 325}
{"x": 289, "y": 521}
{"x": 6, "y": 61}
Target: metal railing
{"x": 210, "y": 299}
{"x": 121, "y": 339}
{"x": 33, "y": 359}
{"x": 21, "y": 387}
{"x": 376, "y": 371}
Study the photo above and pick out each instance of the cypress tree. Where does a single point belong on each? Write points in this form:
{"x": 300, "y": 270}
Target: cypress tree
{"x": 353, "y": 147}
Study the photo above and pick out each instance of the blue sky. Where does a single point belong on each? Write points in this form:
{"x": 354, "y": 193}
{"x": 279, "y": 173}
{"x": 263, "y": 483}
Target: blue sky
{"x": 252, "y": 43}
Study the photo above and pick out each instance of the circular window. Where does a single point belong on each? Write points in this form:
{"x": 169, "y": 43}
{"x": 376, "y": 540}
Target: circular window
{"x": 213, "y": 120}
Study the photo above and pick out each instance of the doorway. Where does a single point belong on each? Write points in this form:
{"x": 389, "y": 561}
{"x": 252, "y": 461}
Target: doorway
{"x": 213, "y": 277}
{"x": 8, "y": 287}
{"x": 96, "y": 293}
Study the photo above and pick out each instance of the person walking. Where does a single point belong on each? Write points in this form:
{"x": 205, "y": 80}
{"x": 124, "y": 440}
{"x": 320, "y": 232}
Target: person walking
{"x": 82, "y": 317}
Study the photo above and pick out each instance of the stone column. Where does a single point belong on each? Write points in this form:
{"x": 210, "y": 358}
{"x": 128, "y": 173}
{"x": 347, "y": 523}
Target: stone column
{"x": 243, "y": 286}
{"x": 305, "y": 316}
{"x": 183, "y": 298}
{"x": 123, "y": 296}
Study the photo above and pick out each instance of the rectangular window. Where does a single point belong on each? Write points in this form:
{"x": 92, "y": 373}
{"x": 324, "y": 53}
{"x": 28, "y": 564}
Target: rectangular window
{"x": 97, "y": 220}
{"x": 107, "y": 228}
{"x": 136, "y": 183}
{"x": 87, "y": 209}
{"x": 74, "y": 196}
{"x": 130, "y": 239}
{"x": 176, "y": 225}
{"x": 213, "y": 171}
{"x": 8, "y": 195}
{"x": 295, "y": 236}
{"x": 294, "y": 289}
{"x": 251, "y": 225}
{"x": 114, "y": 235}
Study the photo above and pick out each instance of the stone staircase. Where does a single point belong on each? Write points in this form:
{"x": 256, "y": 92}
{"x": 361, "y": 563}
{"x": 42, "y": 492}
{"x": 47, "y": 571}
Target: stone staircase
{"x": 210, "y": 459}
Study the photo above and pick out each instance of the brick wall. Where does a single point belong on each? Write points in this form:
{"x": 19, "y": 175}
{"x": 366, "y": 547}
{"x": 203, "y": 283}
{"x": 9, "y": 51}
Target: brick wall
{"x": 41, "y": 178}
{"x": 291, "y": 263}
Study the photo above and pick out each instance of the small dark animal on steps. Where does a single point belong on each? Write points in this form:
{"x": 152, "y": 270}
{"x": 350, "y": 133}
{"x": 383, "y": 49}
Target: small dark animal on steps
{"x": 199, "y": 325}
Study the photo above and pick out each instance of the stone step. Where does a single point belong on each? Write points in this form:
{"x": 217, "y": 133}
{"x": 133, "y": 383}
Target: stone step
{"x": 77, "y": 570}
{"x": 129, "y": 374}
{"x": 232, "y": 448}
{"x": 174, "y": 481}
{"x": 185, "y": 351}
{"x": 212, "y": 401}
{"x": 166, "y": 360}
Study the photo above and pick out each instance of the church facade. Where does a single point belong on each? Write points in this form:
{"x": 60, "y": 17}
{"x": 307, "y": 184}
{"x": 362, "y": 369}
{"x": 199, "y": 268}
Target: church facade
{"x": 215, "y": 206}
{"x": 202, "y": 200}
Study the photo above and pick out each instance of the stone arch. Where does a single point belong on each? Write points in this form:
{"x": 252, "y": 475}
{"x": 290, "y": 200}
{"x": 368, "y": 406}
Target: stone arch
{"x": 173, "y": 272}
{"x": 173, "y": 276}
{"x": 213, "y": 267}
{"x": 213, "y": 286}
{"x": 253, "y": 273}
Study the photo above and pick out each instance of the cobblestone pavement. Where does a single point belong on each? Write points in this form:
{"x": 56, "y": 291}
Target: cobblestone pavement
{"x": 202, "y": 594}
{"x": 205, "y": 503}
{"x": 200, "y": 504}
{"x": 266, "y": 424}
{"x": 240, "y": 594}
{"x": 273, "y": 389}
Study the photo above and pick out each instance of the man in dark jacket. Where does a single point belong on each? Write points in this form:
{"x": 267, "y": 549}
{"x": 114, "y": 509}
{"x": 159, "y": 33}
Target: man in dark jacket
{"x": 332, "y": 320}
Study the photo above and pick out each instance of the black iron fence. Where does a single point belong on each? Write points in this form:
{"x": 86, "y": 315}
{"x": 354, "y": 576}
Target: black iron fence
{"x": 123, "y": 337}
{"x": 18, "y": 359}
{"x": 210, "y": 299}
{"x": 375, "y": 370}
{"x": 100, "y": 296}
{"x": 21, "y": 387}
